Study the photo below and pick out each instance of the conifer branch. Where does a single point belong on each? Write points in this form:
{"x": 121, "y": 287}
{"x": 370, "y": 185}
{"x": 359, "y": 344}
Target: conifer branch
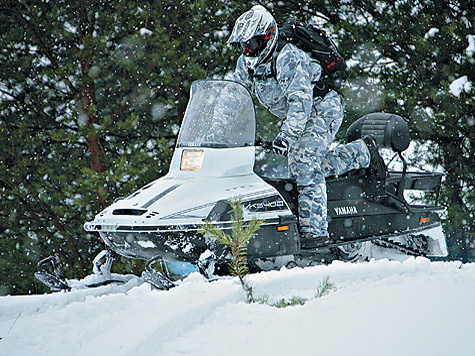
{"x": 238, "y": 242}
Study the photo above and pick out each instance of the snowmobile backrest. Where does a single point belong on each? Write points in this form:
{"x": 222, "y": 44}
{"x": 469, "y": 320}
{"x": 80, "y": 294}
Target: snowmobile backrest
{"x": 390, "y": 130}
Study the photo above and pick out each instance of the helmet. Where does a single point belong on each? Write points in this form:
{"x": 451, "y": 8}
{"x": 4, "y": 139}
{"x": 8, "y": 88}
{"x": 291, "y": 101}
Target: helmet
{"x": 256, "y": 33}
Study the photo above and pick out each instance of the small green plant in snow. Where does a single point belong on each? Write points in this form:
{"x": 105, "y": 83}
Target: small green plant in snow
{"x": 237, "y": 241}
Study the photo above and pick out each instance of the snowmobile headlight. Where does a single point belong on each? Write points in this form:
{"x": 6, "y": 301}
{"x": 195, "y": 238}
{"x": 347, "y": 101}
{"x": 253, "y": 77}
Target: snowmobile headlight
{"x": 191, "y": 160}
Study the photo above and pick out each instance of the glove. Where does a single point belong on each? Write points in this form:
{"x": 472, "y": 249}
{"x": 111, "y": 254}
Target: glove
{"x": 281, "y": 145}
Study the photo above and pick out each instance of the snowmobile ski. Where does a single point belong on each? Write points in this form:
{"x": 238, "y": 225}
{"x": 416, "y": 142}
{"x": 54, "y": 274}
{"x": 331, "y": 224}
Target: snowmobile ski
{"x": 52, "y": 277}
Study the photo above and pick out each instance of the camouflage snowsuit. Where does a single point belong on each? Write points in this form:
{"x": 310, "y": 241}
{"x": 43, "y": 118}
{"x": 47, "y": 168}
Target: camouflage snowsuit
{"x": 310, "y": 124}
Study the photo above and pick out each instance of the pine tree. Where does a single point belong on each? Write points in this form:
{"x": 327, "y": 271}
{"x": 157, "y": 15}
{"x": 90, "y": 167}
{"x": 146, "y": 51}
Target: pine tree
{"x": 92, "y": 94}
{"x": 237, "y": 242}
{"x": 405, "y": 55}
{"x": 418, "y": 49}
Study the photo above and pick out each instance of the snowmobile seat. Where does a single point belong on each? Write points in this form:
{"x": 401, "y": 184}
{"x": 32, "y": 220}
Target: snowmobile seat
{"x": 389, "y": 130}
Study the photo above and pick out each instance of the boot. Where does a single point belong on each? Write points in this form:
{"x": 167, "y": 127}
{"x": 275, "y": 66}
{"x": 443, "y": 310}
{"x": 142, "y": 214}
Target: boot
{"x": 311, "y": 241}
{"x": 376, "y": 163}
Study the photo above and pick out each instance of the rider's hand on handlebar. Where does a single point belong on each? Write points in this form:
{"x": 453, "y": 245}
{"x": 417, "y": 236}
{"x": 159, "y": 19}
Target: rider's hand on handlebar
{"x": 281, "y": 145}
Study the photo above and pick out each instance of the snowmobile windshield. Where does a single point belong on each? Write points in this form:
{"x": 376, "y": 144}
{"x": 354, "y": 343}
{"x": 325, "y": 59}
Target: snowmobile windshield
{"x": 220, "y": 114}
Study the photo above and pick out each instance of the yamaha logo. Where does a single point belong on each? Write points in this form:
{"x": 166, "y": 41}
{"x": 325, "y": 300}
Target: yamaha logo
{"x": 346, "y": 210}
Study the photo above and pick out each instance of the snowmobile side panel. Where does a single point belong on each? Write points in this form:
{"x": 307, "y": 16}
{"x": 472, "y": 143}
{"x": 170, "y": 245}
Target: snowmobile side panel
{"x": 184, "y": 243}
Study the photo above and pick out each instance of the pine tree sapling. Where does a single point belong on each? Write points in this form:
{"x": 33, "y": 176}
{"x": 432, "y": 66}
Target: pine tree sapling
{"x": 241, "y": 233}
{"x": 294, "y": 300}
{"x": 324, "y": 287}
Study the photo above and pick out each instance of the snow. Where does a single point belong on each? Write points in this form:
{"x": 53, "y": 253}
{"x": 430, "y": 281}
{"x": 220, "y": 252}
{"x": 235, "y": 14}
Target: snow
{"x": 431, "y": 33}
{"x": 414, "y": 307}
{"x": 146, "y": 244}
{"x": 145, "y": 32}
{"x": 459, "y": 85}
{"x": 470, "y": 50}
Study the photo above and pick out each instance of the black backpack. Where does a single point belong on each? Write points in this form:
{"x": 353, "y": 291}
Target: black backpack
{"x": 320, "y": 47}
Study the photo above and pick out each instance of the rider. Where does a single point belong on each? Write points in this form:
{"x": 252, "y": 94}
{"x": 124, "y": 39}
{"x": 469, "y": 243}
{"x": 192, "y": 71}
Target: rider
{"x": 310, "y": 121}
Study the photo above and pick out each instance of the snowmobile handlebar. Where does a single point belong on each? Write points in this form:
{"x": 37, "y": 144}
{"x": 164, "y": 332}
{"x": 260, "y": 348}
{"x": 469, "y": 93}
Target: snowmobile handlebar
{"x": 265, "y": 144}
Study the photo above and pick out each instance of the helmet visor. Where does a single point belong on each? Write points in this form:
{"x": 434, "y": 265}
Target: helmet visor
{"x": 253, "y": 46}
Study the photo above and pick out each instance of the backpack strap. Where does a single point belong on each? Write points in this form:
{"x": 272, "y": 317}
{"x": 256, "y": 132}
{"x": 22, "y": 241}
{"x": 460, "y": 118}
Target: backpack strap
{"x": 320, "y": 88}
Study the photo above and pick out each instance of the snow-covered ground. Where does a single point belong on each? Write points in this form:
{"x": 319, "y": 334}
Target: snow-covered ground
{"x": 415, "y": 307}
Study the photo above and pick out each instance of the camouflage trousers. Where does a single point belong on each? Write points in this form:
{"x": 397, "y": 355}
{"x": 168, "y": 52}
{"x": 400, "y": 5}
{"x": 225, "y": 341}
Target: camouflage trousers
{"x": 310, "y": 161}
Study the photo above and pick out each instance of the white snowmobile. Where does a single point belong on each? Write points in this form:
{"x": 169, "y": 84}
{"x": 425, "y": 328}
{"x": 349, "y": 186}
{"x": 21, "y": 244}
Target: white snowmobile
{"x": 213, "y": 163}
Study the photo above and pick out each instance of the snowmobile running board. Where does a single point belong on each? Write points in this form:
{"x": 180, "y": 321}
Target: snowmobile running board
{"x": 383, "y": 241}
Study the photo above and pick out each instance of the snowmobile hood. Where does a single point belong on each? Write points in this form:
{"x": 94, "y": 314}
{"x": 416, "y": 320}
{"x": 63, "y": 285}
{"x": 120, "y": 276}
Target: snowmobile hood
{"x": 213, "y": 162}
{"x": 187, "y": 197}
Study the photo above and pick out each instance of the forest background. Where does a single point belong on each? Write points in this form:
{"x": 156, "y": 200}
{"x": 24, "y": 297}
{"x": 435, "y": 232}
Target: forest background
{"x": 92, "y": 94}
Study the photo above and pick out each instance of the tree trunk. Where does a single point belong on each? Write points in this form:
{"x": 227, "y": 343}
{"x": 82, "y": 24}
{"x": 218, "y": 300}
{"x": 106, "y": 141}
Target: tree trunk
{"x": 88, "y": 107}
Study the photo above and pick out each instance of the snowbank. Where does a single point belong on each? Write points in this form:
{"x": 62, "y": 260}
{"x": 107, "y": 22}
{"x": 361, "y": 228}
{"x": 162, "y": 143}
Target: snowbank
{"x": 416, "y": 307}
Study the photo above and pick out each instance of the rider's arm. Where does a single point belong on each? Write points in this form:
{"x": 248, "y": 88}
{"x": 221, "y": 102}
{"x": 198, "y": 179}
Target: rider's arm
{"x": 295, "y": 73}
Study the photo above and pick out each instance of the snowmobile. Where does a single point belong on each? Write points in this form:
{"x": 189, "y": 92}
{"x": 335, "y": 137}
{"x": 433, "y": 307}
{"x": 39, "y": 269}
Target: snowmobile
{"x": 213, "y": 164}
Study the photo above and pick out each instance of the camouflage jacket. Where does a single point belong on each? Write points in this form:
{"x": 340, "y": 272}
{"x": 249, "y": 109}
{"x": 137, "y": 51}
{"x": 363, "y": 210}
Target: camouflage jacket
{"x": 289, "y": 93}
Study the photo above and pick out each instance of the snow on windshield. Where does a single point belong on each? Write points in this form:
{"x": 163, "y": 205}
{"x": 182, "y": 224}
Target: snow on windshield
{"x": 220, "y": 114}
